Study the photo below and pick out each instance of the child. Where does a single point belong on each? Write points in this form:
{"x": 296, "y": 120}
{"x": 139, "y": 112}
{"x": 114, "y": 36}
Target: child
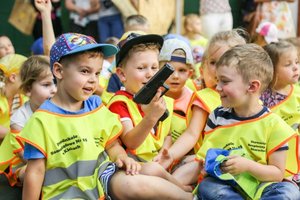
{"x": 137, "y": 62}
{"x": 266, "y": 32}
{"x": 59, "y": 132}
{"x": 6, "y": 46}
{"x": 37, "y": 84}
{"x": 192, "y": 26}
{"x": 242, "y": 122}
{"x": 137, "y": 23}
{"x": 144, "y": 135}
{"x": 283, "y": 94}
{"x": 209, "y": 100}
{"x": 10, "y": 96}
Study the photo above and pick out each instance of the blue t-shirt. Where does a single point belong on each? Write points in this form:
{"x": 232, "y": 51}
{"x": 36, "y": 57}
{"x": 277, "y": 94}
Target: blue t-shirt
{"x": 30, "y": 152}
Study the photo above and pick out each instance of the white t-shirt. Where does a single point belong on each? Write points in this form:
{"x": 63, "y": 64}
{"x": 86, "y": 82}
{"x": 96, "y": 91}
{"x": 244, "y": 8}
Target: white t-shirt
{"x": 22, "y": 115}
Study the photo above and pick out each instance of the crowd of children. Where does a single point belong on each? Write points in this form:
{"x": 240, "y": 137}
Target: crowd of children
{"x": 231, "y": 130}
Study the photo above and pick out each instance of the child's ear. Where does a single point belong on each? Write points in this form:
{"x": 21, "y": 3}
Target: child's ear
{"x": 191, "y": 72}
{"x": 254, "y": 86}
{"x": 57, "y": 70}
{"x": 12, "y": 77}
{"x": 121, "y": 74}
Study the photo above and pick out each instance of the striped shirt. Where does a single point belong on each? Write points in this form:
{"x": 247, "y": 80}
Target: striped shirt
{"x": 225, "y": 116}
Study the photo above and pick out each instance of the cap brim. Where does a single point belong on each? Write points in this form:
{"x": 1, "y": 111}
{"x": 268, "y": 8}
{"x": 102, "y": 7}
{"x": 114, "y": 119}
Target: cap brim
{"x": 142, "y": 39}
{"x": 106, "y": 49}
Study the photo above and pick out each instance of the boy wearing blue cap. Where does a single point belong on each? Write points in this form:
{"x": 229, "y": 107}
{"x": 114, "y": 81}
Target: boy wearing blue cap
{"x": 69, "y": 145}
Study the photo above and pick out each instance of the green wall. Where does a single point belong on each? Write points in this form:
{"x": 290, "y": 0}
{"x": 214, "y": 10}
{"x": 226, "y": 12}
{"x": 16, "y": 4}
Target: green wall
{"x": 20, "y": 41}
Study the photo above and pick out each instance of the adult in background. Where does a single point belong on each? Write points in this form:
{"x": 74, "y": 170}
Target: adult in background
{"x": 110, "y": 22}
{"x": 84, "y": 16}
{"x": 215, "y": 16}
{"x": 279, "y": 13}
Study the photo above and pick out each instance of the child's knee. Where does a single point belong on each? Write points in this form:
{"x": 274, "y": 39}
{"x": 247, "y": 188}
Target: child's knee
{"x": 153, "y": 169}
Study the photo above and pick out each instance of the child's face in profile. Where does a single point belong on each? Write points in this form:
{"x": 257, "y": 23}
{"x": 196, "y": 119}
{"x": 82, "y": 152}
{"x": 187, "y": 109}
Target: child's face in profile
{"x": 178, "y": 79}
{"x": 6, "y": 46}
{"x": 42, "y": 89}
{"x": 208, "y": 71}
{"x": 138, "y": 69}
{"x": 232, "y": 88}
{"x": 287, "y": 69}
{"x": 80, "y": 78}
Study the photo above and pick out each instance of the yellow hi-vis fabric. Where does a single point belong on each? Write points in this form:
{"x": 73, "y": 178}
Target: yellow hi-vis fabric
{"x": 210, "y": 100}
{"x": 180, "y": 123}
{"x": 9, "y": 161}
{"x": 73, "y": 146}
{"x": 5, "y": 109}
{"x": 153, "y": 142}
{"x": 259, "y": 138}
{"x": 289, "y": 108}
{"x": 105, "y": 96}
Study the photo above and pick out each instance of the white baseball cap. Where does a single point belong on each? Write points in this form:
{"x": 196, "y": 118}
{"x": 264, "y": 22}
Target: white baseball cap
{"x": 268, "y": 30}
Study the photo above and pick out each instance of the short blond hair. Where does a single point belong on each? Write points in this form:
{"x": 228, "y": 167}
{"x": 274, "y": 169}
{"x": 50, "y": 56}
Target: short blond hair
{"x": 251, "y": 61}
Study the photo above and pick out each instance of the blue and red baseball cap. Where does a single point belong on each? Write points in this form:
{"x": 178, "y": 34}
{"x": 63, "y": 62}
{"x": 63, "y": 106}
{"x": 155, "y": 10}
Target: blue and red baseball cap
{"x": 71, "y": 43}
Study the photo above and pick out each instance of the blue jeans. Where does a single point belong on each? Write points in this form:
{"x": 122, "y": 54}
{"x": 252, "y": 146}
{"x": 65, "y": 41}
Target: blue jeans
{"x": 281, "y": 190}
{"x": 110, "y": 26}
{"x": 212, "y": 188}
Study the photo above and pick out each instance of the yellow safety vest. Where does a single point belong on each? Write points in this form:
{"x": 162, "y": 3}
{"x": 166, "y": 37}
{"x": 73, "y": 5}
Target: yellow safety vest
{"x": 5, "y": 109}
{"x": 153, "y": 143}
{"x": 259, "y": 138}
{"x": 190, "y": 83}
{"x": 211, "y": 100}
{"x": 180, "y": 123}
{"x": 74, "y": 149}
{"x": 289, "y": 108}
{"x": 105, "y": 96}
{"x": 9, "y": 161}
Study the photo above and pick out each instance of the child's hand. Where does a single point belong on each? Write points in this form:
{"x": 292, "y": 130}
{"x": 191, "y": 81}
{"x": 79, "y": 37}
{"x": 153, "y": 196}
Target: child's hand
{"x": 131, "y": 166}
{"x": 156, "y": 108}
{"x": 235, "y": 165}
{"x": 43, "y": 5}
{"x": 164, "y": 158}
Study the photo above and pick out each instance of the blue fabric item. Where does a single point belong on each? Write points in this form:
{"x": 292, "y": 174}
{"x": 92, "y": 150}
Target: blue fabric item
{"x": 114, "y": 83}
{"x": 30, "y": 152}
{"x": 110, "y": 26}
{"x": 37, "y": 47}
{"x": 213, "y": 188}
{"x": 212, "y": 167}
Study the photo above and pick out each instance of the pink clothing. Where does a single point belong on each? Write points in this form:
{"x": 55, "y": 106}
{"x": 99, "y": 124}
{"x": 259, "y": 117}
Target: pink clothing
{"x": 182, "y": 103}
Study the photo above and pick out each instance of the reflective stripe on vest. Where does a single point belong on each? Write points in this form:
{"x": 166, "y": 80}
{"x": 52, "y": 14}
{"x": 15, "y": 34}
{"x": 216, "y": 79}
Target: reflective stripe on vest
{"x": 72, "y": 145}
{"x": 77, "y": 169}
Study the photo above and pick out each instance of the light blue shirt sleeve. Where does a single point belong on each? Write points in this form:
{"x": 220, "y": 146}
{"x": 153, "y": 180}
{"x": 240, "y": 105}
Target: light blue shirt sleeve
{"x": 30, "y": 152}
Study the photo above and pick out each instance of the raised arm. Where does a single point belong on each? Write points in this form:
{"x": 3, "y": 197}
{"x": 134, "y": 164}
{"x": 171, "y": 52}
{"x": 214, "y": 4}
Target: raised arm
{"x": 44, "y": 7}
